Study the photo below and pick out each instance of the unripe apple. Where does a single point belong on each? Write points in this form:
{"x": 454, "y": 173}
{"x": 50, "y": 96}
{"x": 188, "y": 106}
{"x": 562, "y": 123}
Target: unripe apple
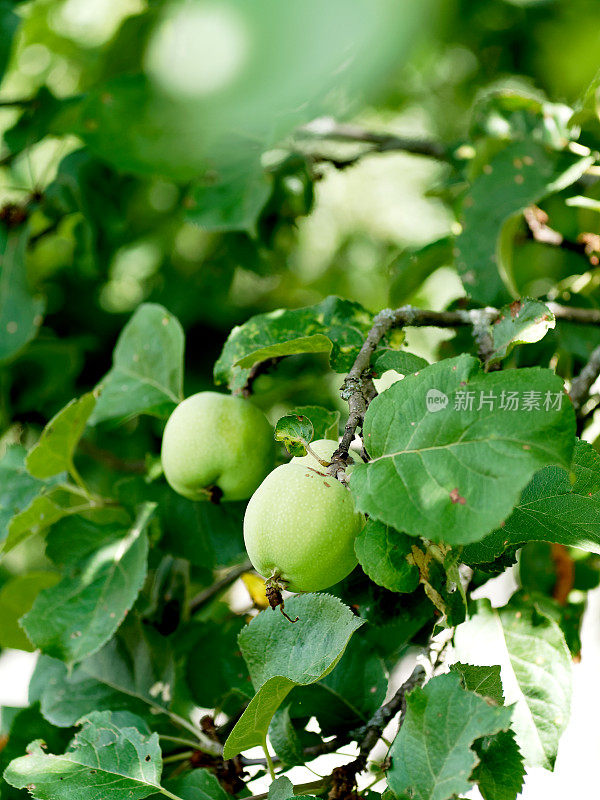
{"x": 300, "y": 527}
{"x": 216, "y": 440}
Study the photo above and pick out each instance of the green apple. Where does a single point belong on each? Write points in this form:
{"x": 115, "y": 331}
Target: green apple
{"x": 300, "y": 526}
{"x": 216, "y": 440}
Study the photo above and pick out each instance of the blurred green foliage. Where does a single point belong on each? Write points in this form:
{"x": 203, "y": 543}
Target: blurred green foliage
{"x": 118, "y": 223}
{"x": 222, "y": 159}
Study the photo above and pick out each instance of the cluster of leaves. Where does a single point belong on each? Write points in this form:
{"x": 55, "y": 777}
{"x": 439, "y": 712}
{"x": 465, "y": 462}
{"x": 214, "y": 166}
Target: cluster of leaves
{"x": 128, "y": 652}
{"x": 126, "y": 606}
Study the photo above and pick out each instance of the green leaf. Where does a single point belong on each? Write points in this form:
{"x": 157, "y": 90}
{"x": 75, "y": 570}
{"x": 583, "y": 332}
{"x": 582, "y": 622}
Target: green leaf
{"x": 206, "y": 534}
{"x": 536, "y": 671}
{"x": 281, "y": 789}
{"x": 381, "y": 552}
{"x": 168, "y": 129}
{"x": 317, "y": 640}
{"x": 522, "y": 173}
{"x": 439, "y": 574}
{"x": 101, "y": 760}
{"x": 44, "y": 510}
{"x": 225, "y": 674}
{"x": 197, "y": 785}
{"x": 134, "y": 671}
{"x": 147, "y": 372}
{"x": 334, "y": 326}
{"x": 413, "y": 266}
{"x": 295, "y": 431}
{"x": 325, "y": 423}
{"x": 16, "y": 598}
{"x": 20, "y": 310}
{"x": 26, "y": 725}
{"x": 9, "y": 22}
{"x": 54, "y": 451}
{"x": 484, "y": 681}
{"x": 506, "y": 114}
{"x": 399, "y": 360}
{"x": 286, "y": 741}
{"x": 453, "y": 470}
{"x": 551, "y": 509}
{"x": 349, "y": 695}
{"x": 588, "y": 107}
{"x": 537, "y": 570}
{"x": 522, "y": 322}
{"x": 432, "y": 755}
{"x": 156, "y": 134}
{"x": 42, "y": 116}
{"x": 500, "y": 771}
{"x": 567, "y": 615}
{"x": 18, "y": 489}
{"x": 230, "y": 199}
{"x": 94, "y": 595}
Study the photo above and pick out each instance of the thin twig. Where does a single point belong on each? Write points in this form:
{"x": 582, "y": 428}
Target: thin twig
{"x": 587, "y": 244}
{"x": 315, "y": 787}
{"x": 583, "y": 382}
{"x": 356, "y": 390}
{"x": 17, "y": 102}
{"x": 581, "y": 316}
{"x": 369, "y": 734}
{"x": 385, "y": 714}
{"x": 344, "y": 777}
{"x": 482, "y": 333}
{"x": 324, "y": 748}
{"x": 211, "y": 591}
{"x": 327, "y": 129}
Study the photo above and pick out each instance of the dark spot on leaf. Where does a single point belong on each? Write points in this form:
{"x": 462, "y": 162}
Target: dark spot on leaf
{"x": 456, "y": 497}
{"x": 515, "y": 307}
{"x": 147, "y": 758}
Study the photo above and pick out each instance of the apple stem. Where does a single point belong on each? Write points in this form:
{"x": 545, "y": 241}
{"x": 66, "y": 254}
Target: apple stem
{"x": 214, "y": 494}
{"x": 273, "y": 589}
{"x": 286, "y": 616}
{"x": 321, "y": 461}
